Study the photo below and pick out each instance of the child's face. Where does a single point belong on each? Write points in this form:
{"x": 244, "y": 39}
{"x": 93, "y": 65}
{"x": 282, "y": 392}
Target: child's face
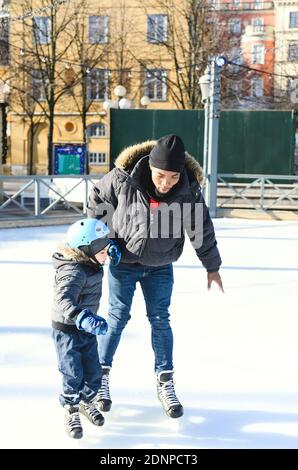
{"x": 101, "y": 256}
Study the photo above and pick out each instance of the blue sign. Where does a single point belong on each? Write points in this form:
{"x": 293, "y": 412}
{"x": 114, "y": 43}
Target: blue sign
{"x": 69, "y": 159}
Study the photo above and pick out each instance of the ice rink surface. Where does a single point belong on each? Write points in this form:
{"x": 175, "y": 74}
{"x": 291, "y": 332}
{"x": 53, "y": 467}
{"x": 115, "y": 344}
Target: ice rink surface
{"x": 235, "y": 355}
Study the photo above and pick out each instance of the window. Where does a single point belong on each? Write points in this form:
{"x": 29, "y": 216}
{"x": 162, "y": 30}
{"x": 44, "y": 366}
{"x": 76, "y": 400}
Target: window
{"x": 257, "y": 24}
{"x": 98, "y": 158}
{"x": 4, "y": 41}
{"x": 97, "y": 130}
{"x": 257, "y": 87}
{"x": 213, "y": 3}
{"x": 236, "y": 58}
{"x": 258, "y": 54}
{"x": 258, "y": 4}
{"x": 97, "y": 84}
{"x": 292, "y": 91}
{"x": 293, "y": 51}
{"x": 293, "y": 19}
{"x": 156, "y": 87}
{"x": 42, "y": 30}
{"x": 38, "y": 86}
{"x": 235, "y": 26}
{"x": 235, "y": 87}
{"x": 157, "y": 26}
{"x": 98, "y": 29}
{"x": 292, "y": 84}
{"x": 233, "y": 5}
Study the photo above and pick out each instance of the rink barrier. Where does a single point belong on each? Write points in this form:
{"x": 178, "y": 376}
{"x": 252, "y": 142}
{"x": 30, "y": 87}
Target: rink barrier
{"x": 67, "y": 196}
{"x": 38, "y": 196}
{"x": 260, "y": 192}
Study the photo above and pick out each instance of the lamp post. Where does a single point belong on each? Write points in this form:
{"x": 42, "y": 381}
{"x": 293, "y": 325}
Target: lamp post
{"x": 210, "y": 89}
{"x": 145, "y": 101}
{"x": 204, "y": 82}
{"x": 122, "y": 102}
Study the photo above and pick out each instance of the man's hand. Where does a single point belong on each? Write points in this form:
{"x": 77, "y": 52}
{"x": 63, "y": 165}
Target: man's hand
{"x": 215, "y": 277}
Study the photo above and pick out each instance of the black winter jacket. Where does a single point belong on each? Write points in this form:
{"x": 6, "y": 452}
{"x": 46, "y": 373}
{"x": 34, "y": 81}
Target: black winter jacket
{"x": 121, "y": 199}
{"x": 77, "y": 285}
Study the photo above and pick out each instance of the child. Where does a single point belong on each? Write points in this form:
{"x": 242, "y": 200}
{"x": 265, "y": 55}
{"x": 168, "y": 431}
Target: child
{"x": 77, "y": 292}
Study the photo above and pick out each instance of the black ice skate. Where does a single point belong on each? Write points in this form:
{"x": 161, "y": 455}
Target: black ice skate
{"x": 166, "y": 395}
{"x": 91, "y": 412}
{"x": 103, "y": 398}
{"x": 72, "y": 422}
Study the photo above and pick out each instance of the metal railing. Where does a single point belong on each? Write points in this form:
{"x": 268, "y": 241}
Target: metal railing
{"x": 261, "y": 192}
{"x": 39, "y": 196}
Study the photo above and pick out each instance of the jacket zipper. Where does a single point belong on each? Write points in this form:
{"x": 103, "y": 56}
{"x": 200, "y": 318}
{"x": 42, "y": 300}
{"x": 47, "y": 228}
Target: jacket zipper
{"x": 144, "y": 243}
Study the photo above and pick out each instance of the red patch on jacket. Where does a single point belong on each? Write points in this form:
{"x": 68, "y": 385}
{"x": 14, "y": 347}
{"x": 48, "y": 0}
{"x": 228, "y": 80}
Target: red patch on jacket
{"x": 154, "y": 204}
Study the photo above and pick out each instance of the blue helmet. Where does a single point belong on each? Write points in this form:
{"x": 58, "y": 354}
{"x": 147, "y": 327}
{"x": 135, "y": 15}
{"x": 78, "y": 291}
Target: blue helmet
{"x": 91, "y": 233}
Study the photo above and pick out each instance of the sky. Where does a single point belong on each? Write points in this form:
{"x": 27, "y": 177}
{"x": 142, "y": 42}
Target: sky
{"x": 235, "y": 354}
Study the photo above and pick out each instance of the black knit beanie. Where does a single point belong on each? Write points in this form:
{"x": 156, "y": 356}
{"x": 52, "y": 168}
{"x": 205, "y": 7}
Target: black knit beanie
{"x": 168, "y": 154}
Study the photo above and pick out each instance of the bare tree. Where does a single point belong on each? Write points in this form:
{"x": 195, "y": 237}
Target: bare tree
{"x": 88, "y": 76}
{"x": 122, "y": 40}
{"x": 191, "y": 38}
{"x": 44, "y": 43}
{"x": 22, "y": 105}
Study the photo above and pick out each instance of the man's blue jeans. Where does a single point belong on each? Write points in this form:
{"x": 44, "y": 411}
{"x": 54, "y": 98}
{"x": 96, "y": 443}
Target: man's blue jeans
{"x": 157, "y": 286}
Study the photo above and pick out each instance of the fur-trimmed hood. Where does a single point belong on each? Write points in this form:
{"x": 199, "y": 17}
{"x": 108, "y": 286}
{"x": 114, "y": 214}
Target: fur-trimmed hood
{"x": 66, "y": 255}
{"x": 128, "y": 158}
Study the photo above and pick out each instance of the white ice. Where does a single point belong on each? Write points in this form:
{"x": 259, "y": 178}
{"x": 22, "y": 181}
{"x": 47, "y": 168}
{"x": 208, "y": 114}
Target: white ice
{"x": 236, "y": 355}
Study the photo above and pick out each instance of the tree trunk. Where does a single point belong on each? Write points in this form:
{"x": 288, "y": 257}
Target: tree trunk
{"x": 31, "y": 148}
{"x": 50, "y": 144}
{"x": 85, "y": 140}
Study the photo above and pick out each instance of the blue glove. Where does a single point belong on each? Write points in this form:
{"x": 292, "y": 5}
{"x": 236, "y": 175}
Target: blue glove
{"x": 114, "y": 253}
{"x": 87, "y": 321}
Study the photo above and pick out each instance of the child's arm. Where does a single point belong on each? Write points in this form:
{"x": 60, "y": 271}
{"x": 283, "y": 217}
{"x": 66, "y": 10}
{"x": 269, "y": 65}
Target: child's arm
{"x": 69, "y": 285}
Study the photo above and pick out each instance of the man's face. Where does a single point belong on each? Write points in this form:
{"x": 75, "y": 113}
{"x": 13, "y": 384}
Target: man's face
{"x": 164, "y": 180}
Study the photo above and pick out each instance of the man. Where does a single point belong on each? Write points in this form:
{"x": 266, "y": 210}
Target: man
{"x": 154, "y": 193}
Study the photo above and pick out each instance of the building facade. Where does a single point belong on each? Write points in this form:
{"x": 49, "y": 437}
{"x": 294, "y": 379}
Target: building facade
{"x": 286, "y": 63}
{"x": 250, "y": 43}
{"x": 113, "y": 45}
{"x": 60, "y": 64}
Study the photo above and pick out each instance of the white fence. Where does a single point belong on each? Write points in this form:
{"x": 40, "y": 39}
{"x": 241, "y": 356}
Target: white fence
{"x": 37, "y": 196}
{"x": 61, "y": 196}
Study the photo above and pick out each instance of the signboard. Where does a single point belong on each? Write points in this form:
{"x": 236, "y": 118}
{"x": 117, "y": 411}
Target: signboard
{"x": 69, "y": 159}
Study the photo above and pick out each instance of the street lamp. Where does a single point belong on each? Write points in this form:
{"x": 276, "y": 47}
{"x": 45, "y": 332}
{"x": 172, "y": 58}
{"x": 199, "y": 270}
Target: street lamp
{"x": 204, "y": 82}
{"x": 210, "y": 89}
{"x": 3, "y": 12}
{"x": 120, "y": 91}
{"x": 122, "y": 102}
{"x": 145, "y": 101}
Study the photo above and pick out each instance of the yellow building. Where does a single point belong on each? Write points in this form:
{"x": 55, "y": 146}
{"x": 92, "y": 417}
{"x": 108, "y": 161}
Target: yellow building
{"x": 63, "y": 45}
{"x": 286, "y": 51}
